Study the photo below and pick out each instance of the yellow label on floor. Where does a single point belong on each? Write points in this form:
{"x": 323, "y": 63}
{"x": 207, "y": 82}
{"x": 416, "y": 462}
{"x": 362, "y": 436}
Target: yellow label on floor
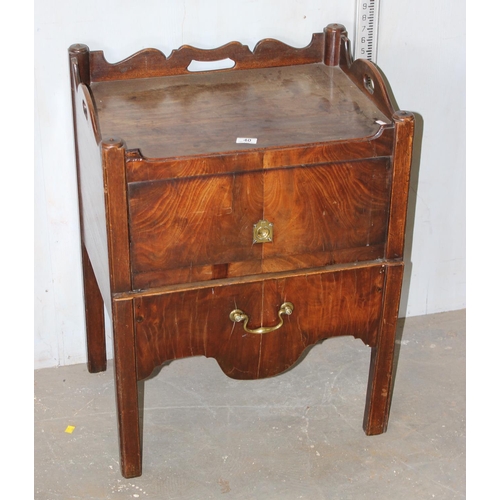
{"x": 70, "y": 429}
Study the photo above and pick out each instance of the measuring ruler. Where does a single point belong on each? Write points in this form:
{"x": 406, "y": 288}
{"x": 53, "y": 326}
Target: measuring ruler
{"x": 366, "y": 29}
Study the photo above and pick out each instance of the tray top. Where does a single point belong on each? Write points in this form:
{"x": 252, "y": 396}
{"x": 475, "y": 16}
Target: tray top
{"x": 205, "y": 113}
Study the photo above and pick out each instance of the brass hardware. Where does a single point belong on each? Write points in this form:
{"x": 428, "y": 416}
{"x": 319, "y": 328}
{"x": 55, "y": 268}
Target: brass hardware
{"x": 263, "y": 232}
{"x": 238, "y": 315}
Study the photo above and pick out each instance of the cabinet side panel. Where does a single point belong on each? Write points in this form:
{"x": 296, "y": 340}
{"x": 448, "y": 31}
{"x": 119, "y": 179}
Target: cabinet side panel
{"x": 91, "y": 185}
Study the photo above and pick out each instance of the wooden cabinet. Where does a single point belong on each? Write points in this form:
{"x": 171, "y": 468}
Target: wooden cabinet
{"x": 241, "y": 214}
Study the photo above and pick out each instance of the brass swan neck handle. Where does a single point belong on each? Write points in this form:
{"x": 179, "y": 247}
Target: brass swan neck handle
{"x": 237, "y": 315}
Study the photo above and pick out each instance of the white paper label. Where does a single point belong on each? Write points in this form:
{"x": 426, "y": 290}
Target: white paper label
{"x": 245, "y": 140}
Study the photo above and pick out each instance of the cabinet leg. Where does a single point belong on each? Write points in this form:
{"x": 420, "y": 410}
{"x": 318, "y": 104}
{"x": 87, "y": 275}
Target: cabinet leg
{"x": 379, "y": 392}
{"x": 94, "y": 318}
{"x": 127, "y": 396}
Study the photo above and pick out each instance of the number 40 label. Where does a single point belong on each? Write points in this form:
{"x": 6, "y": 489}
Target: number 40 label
{"x": 246, "y": 140}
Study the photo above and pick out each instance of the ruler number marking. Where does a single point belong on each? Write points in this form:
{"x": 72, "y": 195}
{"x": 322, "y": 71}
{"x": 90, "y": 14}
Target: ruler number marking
{"x": 366, "y": 29}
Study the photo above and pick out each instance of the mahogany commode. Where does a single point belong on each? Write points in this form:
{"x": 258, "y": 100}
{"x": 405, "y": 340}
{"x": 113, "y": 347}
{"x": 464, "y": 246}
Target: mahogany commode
{"x": 242, "y": 214}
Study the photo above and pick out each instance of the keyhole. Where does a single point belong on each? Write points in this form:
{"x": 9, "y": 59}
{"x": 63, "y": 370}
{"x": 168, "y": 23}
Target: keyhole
{"x": 263, "y": 232}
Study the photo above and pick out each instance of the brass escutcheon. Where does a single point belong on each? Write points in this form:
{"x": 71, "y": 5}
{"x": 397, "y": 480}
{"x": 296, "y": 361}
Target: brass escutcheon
{"x": 263, "y": 232}
{"x": 237, "y": 315}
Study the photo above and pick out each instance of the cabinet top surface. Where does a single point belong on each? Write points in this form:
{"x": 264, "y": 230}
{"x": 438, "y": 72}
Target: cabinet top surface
{"x": 205, "y": 113}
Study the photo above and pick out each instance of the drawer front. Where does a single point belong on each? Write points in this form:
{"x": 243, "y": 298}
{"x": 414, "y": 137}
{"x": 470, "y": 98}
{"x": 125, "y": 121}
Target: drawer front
{"x": 201, "y": 228}
{"x": 197, "y": 321}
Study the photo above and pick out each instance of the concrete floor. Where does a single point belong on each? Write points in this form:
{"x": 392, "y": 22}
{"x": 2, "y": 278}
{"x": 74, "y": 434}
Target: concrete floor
{"x": 295, "y": 436}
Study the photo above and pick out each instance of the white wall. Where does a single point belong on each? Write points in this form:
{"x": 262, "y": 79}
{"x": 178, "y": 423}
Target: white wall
{"x": 422, "y": 53}
{"x": 420, "y": 50}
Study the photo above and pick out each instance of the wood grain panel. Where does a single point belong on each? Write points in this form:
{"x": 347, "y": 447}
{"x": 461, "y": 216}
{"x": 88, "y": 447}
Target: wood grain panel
{"x": 188, "y": 223}
{"x": 196, "y": 322}
{"x": 327, "y": 208}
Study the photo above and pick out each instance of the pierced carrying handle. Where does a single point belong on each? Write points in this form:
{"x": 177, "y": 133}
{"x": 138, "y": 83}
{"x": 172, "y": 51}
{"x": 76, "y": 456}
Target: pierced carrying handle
{"x": 268, "y": 53}
{"x": 369, "y": 79}
{"x": 238, "y": 315}
{"x": 233, "y": 50}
